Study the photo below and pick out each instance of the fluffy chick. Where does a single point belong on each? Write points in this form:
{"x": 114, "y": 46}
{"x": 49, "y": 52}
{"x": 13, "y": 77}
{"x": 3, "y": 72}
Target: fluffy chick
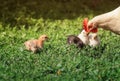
{"x": 36, "y": 44}
{"x": 72, "y": 39}
{"x": 93, "y": 39}
{"x": 84, "y": 37}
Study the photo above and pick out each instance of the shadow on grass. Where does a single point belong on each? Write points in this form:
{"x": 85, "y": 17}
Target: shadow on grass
{"x": 95, "y": 52}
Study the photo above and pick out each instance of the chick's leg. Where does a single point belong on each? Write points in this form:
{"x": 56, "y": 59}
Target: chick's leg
{"x": 34, "y": 50}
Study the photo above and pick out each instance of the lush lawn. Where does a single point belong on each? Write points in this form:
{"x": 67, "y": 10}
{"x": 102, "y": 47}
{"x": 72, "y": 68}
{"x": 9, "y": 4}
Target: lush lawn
{"x": 57, "y": 61}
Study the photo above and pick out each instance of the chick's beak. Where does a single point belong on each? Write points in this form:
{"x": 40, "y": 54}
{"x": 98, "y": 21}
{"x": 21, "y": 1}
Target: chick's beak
{"x": 46, "y": 38}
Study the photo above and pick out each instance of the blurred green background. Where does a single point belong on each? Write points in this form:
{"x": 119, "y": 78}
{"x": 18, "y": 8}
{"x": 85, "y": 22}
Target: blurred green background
{"x": 20, "y": 11}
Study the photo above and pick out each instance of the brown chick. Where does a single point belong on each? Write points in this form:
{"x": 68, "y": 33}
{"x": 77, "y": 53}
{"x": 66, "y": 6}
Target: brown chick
{"x": 36, "y": 44}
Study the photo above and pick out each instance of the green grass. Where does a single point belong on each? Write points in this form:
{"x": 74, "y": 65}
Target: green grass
{"x": 57, "y": 61}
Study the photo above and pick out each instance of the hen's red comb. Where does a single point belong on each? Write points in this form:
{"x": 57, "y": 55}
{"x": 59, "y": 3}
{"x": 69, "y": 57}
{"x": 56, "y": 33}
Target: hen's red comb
{"x": 86, "y": 28}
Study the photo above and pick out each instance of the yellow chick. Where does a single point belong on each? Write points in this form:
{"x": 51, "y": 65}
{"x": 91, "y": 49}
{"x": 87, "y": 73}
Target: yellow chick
{"x": 36, "y": 44}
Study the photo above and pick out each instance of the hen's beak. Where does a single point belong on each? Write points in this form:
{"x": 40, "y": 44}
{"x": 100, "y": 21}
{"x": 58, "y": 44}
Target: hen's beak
{"x": 87, "y": 33}
{"x": 90, "y": 30}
